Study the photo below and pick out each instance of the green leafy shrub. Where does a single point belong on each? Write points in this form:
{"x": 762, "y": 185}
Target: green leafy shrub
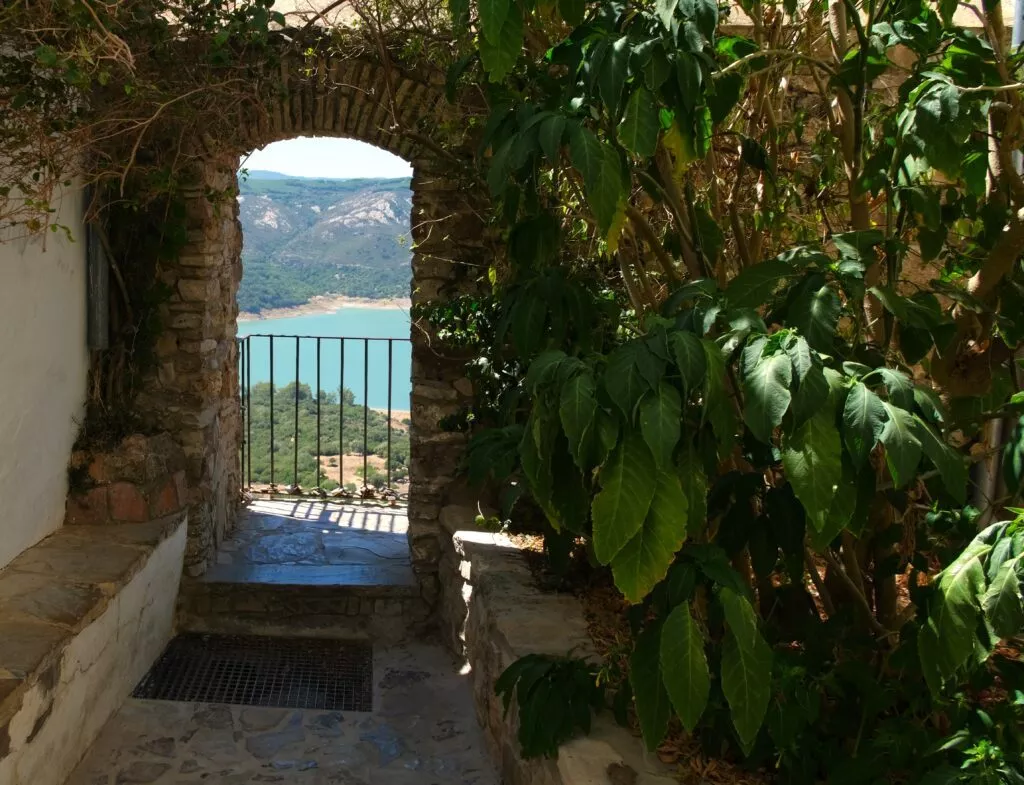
{"x": 555, "y": 698}
{"x": 761, "y": 302}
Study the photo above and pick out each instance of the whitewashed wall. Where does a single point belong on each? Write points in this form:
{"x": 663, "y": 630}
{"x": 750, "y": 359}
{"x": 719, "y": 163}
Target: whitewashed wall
{"x": 43, "y": 368}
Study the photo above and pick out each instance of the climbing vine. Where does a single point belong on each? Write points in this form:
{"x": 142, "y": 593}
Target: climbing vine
{"x": 764, "y": 283}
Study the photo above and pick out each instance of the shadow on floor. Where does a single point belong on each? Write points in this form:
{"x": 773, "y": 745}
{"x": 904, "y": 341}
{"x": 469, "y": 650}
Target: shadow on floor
{"x": 297, "y": 542}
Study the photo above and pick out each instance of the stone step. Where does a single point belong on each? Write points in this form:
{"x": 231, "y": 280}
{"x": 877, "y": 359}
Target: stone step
{"x": 373, "y": 603}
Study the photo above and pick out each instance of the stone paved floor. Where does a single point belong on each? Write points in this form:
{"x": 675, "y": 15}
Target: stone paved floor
{"x": 422, "y": 731}
{"x": 296, "y": 542}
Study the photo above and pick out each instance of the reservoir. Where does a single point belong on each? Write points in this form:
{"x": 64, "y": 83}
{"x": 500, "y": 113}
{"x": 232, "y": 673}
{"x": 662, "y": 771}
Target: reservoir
{"x": 351, "y": 323}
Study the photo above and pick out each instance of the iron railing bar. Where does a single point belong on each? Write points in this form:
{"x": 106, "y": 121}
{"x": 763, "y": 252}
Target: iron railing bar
{"x": 341, "y": 419}
{"x": 272, "y": 444}
{"x": 247, "y": 408}
{"x": 388, "y": 459}
{"x": 318, "y": 413}
{"x": 295, "y": 469}
{"x": 239, "y": 344}
{"x": 248, "y": 386}
{"x": 366, "y": 408}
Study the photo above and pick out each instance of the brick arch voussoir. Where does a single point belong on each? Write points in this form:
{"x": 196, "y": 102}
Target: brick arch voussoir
{"x": 396, "y": 109}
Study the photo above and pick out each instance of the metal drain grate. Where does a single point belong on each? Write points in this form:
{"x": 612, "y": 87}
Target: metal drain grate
{"x": 294, "y": 673}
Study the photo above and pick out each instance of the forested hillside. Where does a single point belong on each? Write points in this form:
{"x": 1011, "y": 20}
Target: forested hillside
{"x": 304, "y": 237}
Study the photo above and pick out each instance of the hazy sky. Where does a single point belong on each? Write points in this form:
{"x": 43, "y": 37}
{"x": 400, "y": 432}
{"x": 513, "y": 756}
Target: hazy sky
{"x": 327, "y": 157}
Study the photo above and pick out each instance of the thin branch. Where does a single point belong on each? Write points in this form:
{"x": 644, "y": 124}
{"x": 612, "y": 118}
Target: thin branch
{"x": 819, "y": 584}
{"x": 788, "y": 54}
{"x": 641, "y": 224}
{"x": 857, "y": 593}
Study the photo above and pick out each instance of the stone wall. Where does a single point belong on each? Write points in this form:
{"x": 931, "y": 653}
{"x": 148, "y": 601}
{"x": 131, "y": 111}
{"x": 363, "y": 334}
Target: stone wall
{"x": 140, "y": 479}
{"x": 493, "y": 613}
{"x": 193, "y": 393}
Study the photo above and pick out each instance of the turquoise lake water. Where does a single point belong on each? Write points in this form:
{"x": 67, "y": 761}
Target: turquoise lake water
{"x": 352, "y": 324}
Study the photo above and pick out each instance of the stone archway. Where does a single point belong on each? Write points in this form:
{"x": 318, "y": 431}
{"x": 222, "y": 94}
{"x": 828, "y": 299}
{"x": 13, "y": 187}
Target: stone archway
{"x": 193, "y": 393}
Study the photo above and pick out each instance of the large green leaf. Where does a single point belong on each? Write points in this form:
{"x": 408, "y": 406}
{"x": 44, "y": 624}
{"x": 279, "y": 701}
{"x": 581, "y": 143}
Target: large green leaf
{"x": 639, "y": 128}
{"x": 550, "y": 136}
{"x": 1002, "y": 601}
{"x": 661, "y": 413}
{"x": 614, "y": 70}
{"x": 543, "y": 370}
{"x": 842, "y": 509}
{"x": 688, "y": 79}
{"x": 666, "y": 9}
{"x": 632, "y": 370}
{"x": 863, "y": 422}
{"x": 902, "y": 448}
{"x": 603, "y": 183}
{"x": 799, "y": 353}
{"x": 717, "y": 405}
{"x": 570, "y": 497}
{"x": 572, "y": 11}
{"x": 746, "y": 667}
{"x": 811, "y": 458}
{"x": 815, "y": 314}
{"x": 690, "y": 358}
{"x": 536, "y": 465}
{"x": 459, "y": 10}
{"x": 954, "y": 610}
{"x": 695, "y": 486}
{"x": 811, "y": 394}
{"x": 859, "y": 245}
{"x": 576, "y": 408}
{"x": 493, "y": 14}
{"x": 757, "y": 283}
{"x": 705, "y": 13}
{"x": 684, "y": 666}
{"x": 653, "y": 708}
{"x": 628, "y": 483}
{"x": 766, "y": 394}
{"x": 644, "y": 561}
{"x": 948, "y": 461}
{"x": 899, "y": 387}
{"x": 499, "y": 55}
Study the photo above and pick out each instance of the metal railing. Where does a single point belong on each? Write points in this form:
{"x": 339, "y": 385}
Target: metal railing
{"x": 320, "y": 431}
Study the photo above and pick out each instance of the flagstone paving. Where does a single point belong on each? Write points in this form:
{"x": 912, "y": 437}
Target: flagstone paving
{"x": 422, "y": 731}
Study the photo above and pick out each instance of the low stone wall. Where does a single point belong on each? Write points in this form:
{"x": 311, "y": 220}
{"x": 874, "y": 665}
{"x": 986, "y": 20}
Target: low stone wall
{"x": 492, "y": 613}
{"x": 83, "y": 614}
{"x": 141, "y": 479}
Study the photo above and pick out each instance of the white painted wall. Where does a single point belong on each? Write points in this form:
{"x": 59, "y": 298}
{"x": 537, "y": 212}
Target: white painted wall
{"x": 43, "y": 369}
{"x": 98, "y": 670}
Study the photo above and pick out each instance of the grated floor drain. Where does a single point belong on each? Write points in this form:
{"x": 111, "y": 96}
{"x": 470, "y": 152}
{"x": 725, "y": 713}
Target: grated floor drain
{"x": 294, "y": 673}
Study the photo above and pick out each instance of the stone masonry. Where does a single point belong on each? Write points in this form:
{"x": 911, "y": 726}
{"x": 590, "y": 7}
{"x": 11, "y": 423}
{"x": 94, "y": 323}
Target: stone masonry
{"x": 193, "y": 393}
{"x": 141, "y": 479}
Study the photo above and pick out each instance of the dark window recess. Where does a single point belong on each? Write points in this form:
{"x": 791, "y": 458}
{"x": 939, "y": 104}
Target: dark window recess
{"x": 294, "y": 673}
{"x": 98, "y": 288}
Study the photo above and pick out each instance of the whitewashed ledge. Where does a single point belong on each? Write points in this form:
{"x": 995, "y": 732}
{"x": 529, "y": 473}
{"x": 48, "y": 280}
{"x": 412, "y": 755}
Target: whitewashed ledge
{"x": 492, "y": 613}
{"x": 83, "y": 615}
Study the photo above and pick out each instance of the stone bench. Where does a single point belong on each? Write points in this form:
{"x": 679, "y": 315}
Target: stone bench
{"x": 493, "y": 613}
{"x": 83, "y": 615}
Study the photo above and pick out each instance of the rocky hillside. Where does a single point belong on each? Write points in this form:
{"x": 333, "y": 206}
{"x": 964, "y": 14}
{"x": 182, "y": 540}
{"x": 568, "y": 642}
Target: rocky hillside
{"x": 304, "y": 237}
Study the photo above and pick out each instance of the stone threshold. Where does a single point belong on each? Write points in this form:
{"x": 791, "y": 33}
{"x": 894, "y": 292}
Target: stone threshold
{"x": 56, "y": 588}
{"x": 493, "y": 613}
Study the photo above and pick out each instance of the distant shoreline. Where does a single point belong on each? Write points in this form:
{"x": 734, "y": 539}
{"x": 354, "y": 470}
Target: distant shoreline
{"x": 327, "y": 303}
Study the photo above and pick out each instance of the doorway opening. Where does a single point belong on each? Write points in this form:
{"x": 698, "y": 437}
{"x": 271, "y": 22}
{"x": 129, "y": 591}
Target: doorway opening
{"x": 324, "y": 326}
{"x": 324, "y": 386}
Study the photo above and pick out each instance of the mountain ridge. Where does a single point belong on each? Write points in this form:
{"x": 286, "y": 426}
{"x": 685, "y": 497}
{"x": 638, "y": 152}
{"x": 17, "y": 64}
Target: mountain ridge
{"x": 317, "y": 236}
